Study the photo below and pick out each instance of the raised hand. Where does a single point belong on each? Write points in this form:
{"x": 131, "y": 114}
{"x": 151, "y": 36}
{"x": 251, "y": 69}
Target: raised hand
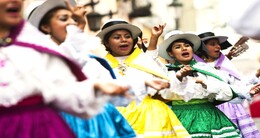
{"x": 158, "y": 30}
{"x": 78, "y": 14}
{"x": 155, "y": 34}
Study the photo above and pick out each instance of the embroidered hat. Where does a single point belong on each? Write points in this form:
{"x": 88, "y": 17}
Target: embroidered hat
{"x": 175, "y": 35}
{"x": 116, "y": 24}
{"x": 36, "y": 14}
{"x": 224, "y": 44}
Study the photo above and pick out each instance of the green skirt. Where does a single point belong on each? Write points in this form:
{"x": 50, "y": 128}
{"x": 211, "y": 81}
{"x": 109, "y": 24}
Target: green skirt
{"x": 202, "y": 119}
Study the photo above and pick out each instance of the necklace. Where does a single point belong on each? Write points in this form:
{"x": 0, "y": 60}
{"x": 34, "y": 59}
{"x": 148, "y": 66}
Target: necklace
{"x": 5, "y": 41}
{"x": 122, "y": 68}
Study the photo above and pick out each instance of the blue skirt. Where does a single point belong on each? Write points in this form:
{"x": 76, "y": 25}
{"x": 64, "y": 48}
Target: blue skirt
{"x": 108, "y": 124}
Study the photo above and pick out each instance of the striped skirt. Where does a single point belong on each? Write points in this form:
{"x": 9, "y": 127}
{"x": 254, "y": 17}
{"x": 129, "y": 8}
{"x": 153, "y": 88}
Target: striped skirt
{"x": 239, "y": 116}
{"x": 203, "y": 119}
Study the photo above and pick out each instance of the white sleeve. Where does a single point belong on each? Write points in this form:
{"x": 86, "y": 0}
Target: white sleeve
{"x": 78, "y": 44}
{"x": 241, "y": 88}
{"x": 155, "y": 57}
{"x": 152, "y": 53}
{"x": 188, "y": 89}
{"x": 60, "y": 88}
{"x": 28, "y": 72}
{"x": 220, "y": 89}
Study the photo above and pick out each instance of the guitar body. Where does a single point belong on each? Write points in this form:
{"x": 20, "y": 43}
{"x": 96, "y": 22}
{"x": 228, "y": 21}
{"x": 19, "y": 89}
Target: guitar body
{"x": 239, "y": 48}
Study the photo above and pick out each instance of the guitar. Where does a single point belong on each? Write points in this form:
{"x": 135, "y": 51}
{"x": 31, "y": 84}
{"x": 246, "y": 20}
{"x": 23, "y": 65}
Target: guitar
{"x": 239, "y": 48}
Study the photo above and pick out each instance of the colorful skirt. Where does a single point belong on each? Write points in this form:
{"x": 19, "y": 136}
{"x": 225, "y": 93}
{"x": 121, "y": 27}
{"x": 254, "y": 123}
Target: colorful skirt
{"x": 153, "y": 119}
{"x": 239, "y": 116}
{"x": 33, "y": 121}
{"x": 108, "y": 124}
{"x": 203, "y": 119}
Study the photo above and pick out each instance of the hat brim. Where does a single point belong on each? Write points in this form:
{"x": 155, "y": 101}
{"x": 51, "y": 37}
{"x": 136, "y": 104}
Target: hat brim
{"x": 37, "y": 14}
{"x": 194, "y": 39}
{"x": 220, "y": 38}
{"x": 135, "y": 31}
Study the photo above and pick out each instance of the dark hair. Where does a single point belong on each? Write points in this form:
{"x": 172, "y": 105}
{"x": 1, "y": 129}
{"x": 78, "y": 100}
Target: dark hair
{"x": 206, "y": 41}
{"x": 200, "y": 52}
{"x": 169, "y": 49}
{"x": 106, "y": 37}
{"x": 47, "y": 17}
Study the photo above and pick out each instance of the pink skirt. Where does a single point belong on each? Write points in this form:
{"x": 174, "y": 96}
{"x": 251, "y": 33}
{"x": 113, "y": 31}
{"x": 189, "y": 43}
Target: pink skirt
{"x": 32, "y": 121}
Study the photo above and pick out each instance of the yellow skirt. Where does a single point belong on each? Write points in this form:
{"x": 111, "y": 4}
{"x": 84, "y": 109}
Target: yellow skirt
{"x": 153, "y": 119}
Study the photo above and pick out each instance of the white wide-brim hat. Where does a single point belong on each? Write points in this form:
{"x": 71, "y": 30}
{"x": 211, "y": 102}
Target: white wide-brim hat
{"x": 117, "y": 24}
{"x": 173, "y": 36}
{"x": 36, "y": 15}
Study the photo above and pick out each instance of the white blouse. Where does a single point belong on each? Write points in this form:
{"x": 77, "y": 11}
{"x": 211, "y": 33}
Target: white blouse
{"x": 188, "y": 89}
{"x": 239, "y": 86}
{"x": 136, "y": 79}
{"x": 25, "y": 72}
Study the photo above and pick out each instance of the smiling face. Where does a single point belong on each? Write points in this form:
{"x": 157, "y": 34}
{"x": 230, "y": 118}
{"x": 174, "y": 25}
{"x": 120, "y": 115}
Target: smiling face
{"x": 181, "y": 51}
{"x": 120, "y": 43}
{"x": 56, "y": 25}
{"x": 213, "y": 49}
{"x": 10, "y": 13}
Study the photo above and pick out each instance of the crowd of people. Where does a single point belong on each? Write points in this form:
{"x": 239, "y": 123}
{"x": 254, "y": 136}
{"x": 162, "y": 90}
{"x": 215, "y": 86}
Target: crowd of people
{"x": 60, "y": 87}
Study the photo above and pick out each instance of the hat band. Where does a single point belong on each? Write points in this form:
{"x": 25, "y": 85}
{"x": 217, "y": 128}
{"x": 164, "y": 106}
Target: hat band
{"x": 113, "y": 23}
{"x": 206, "y": 34}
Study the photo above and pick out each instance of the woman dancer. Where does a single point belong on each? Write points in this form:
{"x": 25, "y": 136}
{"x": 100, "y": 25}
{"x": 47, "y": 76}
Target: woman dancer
{"x": 195, "y": 88}
{"x": 37, "y": 82}
{"x": 147, "y": 115}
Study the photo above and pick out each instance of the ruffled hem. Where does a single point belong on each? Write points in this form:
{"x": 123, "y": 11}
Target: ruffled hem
{"x": 108, "y": 124}
{"x": 144, "y": 119}
{"x": 205, "y": 120}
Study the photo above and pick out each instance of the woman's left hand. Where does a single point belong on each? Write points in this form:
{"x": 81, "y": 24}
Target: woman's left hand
{"x": 78, "y": 14}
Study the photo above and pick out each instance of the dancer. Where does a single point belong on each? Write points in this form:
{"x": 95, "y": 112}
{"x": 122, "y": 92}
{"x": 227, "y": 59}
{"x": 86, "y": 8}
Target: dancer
{"x": 195, "y": 88}
{"x": 211, "y": 54}
{"x": 37, "y": 81}
{"x": 148, "y": 115}
{"x": 65, "y": 23}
